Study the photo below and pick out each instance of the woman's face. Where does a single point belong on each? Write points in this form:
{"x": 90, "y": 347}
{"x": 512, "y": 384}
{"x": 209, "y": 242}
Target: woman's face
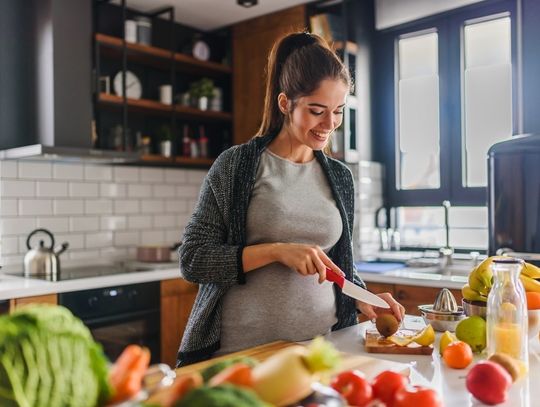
{"x": 316, "y": 116}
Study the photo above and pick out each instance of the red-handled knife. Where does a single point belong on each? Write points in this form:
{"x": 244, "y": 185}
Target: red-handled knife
{"x": 354, "y": 291}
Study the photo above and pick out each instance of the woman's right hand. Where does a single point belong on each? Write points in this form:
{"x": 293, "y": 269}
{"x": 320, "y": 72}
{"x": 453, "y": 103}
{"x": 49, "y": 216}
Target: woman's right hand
{"x": 305, "y": 259}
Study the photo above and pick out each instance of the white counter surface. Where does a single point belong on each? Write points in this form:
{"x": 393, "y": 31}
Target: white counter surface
{"x": 430, "y": 371}
{"x": 419, "y": 279}
{"x": 16, "y": 287}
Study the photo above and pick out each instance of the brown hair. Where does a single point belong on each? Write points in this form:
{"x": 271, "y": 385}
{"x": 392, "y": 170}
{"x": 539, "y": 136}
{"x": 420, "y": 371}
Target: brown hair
{"x": 297, "y": 64}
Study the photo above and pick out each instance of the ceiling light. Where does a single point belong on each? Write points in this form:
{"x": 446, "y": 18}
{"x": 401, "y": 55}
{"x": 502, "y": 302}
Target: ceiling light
{"x": 247, "y": 3}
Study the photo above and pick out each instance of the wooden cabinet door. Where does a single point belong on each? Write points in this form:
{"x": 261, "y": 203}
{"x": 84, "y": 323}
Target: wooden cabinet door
{"x": 411, "y": 296}
{"x": 41, "y": 299}
{"x": 252, "y": 41}
{"x": 177, "y": 298}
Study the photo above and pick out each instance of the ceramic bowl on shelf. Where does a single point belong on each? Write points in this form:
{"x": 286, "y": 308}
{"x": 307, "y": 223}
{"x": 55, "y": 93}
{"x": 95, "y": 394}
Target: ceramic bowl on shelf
{"x": 474, "y": 308}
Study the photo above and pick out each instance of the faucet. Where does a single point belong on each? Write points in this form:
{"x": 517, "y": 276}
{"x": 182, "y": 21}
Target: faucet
{"x": 446, "y": 252}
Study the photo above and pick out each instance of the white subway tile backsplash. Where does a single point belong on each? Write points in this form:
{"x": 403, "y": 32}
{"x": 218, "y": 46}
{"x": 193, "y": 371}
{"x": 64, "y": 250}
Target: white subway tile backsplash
{"x": 112, "y": 190}
{"x": 54, "y": 225}
{"x": 83, "y": 189}
{"x": 8, "y": 207}
{"x": 83, "y": 223}
{"x": 17, "y": 226}
{"x": 17, "y": 189}
{"x": 164, "y": 191}
{"x": 68, "y": 207}
{"x": 173, "y": 235}
{"x": 98, "y": 240}
{"x": 126, "y": 238}
{"x": 123, "y": 206}
{"x": 84, "y": 254}
{"x": 75, "y": 240}
{"x": 139, "y": 222}
{"x": 10, "y": 245}
{"x": 13, "y": 260}
{"x": 97, "y": 172}
{"x": 176, "y": 206}
{"x": 8, "y": 169}
{"x": 35, "y": 207}
{"x": 139, "y": 191}
{"x": 152, "y": 175}
{"x": 52, "y": 189}
{"x": 195, "y": 177}
{"x": 153, "y": 237}
{"x": 113, "y": 223}
{"x": 188, "y": 191}
{"x": 152, "y": 206}
{"x": 114, "y": 253}
{"x": 98, "y": 206}
{"x": 35, "y": 170}
{"x": 182, "y": 220}
{"x": 126, "y": 174}
{"x": 164, "y": 221}
{"x": 175, "y": 176}
{"x": 68, "y": 171}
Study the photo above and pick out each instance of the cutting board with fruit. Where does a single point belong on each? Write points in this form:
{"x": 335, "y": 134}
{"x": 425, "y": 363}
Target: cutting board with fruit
{"x": 397, "y": 344}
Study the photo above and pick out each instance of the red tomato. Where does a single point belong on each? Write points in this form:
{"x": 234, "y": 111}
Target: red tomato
{"x": 386, "y": 384}
{"x": 353, "y": 387}
{"x": 417, "y": 396}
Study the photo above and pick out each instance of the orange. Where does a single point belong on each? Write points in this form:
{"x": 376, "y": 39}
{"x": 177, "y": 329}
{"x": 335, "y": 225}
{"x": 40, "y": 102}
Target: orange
{"x": 458, "y": 355}
{"x": 533, "y": 300}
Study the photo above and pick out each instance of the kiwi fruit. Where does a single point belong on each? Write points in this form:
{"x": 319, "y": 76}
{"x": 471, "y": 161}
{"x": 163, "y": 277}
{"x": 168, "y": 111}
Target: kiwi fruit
{"x": 387, "y": 325}
{"x": 508, "y": 363}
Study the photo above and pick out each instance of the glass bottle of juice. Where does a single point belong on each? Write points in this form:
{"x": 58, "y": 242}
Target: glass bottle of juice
{"x": 507, "y": 317}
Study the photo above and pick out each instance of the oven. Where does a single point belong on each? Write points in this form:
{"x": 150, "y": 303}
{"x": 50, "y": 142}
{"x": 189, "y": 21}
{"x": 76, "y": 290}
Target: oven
{"x": 120, "y": 315}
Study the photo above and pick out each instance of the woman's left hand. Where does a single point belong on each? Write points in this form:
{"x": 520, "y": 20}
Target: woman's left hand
{"x": 371, "y": 312}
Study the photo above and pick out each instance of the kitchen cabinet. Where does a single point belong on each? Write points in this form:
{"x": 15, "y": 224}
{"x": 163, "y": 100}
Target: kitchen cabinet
{"x": 252, "y": 42}
{"x": 38, "y": 299}
{"x": 177, "y": 298}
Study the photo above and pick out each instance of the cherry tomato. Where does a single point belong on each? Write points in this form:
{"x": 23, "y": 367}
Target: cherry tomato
{"x": 416, "y": 396}
{"x": 386, "y": 384}
{"x": 353, "y": 387}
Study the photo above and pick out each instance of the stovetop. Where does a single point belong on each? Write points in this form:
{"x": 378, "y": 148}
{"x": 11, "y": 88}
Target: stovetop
{"x": 97, "y": 270}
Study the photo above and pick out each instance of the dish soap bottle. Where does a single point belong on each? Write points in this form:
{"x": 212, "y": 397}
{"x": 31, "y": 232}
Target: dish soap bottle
{"x": 507, "y": 318}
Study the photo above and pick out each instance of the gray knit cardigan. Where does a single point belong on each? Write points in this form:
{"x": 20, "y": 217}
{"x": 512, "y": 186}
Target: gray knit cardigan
{"x": 211, "y": 251}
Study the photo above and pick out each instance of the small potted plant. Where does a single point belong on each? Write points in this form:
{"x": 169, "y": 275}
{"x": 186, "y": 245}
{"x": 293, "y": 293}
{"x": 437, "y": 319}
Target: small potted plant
{"x": 165, "y": 141}
{"x": 202, "y": 90}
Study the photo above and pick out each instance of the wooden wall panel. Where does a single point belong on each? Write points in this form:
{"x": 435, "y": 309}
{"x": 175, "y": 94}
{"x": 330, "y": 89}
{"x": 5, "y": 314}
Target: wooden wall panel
{"x": 252, "y": 41}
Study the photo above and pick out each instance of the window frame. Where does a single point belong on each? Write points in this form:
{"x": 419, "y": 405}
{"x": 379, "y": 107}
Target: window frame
{"x": 449, "y": 27}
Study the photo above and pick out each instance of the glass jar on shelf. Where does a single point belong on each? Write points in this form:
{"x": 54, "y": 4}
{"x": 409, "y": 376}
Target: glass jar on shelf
{"x": 507, "y": 318}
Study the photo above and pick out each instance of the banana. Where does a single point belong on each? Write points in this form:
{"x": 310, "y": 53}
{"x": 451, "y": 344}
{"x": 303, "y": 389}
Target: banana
{"x": 477, "y": 284}
{"x": 471, "y": 295}
{"x": 530, "y": 270}
{"x": 484, "y": 273}
{"x": 530, "y": 284}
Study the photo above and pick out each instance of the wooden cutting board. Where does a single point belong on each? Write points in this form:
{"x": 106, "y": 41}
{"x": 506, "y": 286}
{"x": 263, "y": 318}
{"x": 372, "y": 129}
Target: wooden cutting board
{"x": 368, "y": 365}
{"x": 375, "y": 343}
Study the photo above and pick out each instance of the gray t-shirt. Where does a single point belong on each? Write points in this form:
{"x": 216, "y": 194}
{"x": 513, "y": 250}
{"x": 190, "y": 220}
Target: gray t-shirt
{"x": 290, "y": 203}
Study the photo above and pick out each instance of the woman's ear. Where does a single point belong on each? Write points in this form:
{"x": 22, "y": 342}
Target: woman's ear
{"x": 283, "y": 103}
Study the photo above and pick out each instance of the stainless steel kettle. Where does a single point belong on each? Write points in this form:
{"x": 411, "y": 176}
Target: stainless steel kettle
{"x": 41, "y": 260}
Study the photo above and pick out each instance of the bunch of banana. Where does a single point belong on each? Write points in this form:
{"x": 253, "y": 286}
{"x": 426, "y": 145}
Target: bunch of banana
{"x": 529, "y": 274}
{"x": 481, "y": 280}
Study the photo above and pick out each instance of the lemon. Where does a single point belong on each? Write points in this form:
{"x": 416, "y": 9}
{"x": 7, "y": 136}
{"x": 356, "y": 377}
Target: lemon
{"x": 425, "y": 337}
{"x": 400, "y": 340}
{"x": 446, "y": 339}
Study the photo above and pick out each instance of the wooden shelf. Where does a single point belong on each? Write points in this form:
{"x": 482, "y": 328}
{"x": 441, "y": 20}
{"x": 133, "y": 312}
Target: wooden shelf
{"x": 154, "y": 107}
{"x": 159, "y": 57}
{"x": 155, "y": 159}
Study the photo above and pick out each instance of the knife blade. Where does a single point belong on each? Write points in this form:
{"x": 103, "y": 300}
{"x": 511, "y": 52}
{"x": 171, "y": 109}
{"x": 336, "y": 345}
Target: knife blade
{"x": 355, "y": 291}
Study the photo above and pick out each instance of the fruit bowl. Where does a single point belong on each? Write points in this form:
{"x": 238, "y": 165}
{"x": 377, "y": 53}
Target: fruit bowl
{"x": 534, "y": 323}
{"x": 474, "y": 308}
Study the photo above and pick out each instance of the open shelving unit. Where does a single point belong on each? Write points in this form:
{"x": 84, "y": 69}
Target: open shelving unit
{"x": 157, "y": 65}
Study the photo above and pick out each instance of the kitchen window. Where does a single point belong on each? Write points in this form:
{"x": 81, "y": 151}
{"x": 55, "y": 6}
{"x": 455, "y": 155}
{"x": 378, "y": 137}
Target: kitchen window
{"x": 446, "y": 93}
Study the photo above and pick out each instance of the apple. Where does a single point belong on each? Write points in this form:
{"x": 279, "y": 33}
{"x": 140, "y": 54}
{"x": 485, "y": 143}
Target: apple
{"x": 489, "y": 382}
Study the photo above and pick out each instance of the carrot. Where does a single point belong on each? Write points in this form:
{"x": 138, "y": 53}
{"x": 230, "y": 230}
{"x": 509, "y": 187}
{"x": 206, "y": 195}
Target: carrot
{"x": 238, "y": 374}
{"x": 131, "y": 382}
{"x": 123, "y": 364}
{"x": 181, "y": 386}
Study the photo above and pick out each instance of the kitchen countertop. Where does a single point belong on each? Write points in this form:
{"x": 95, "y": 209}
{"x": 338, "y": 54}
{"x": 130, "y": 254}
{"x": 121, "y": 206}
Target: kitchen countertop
{"x": 16, "y": 287}
{"x": 430, "y": 371}
{"x": 410, "y": 276}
